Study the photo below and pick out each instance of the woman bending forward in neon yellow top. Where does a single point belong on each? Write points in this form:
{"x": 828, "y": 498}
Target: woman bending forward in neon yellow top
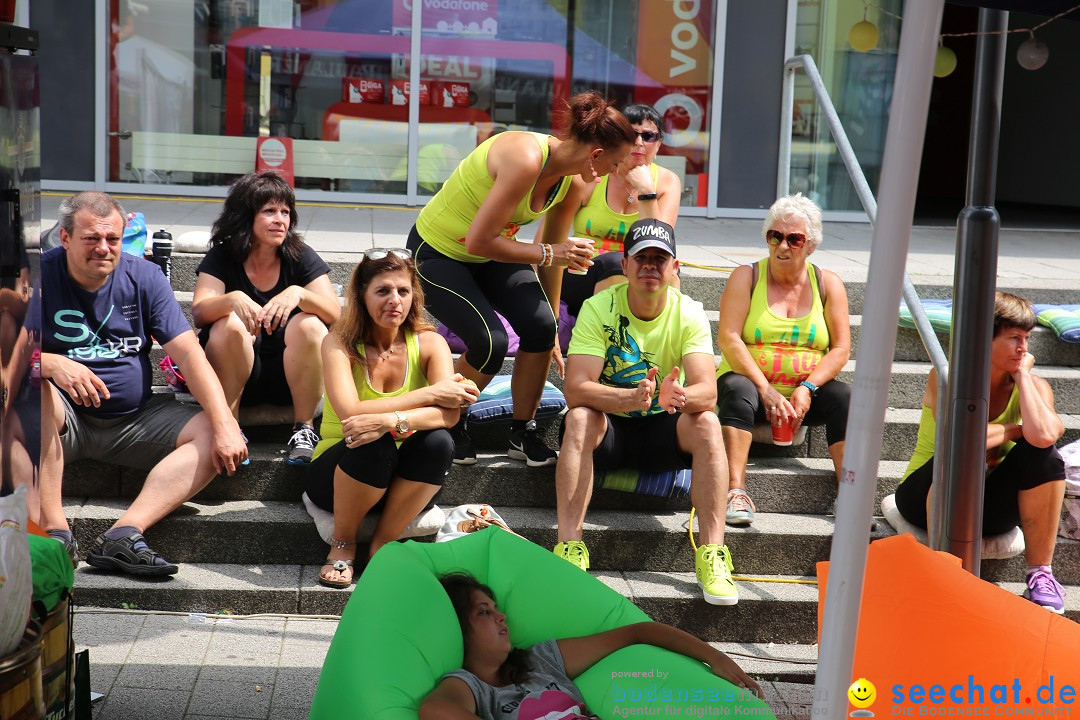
{"x": 602, "y": 212}
{"x": 471, "y": 265}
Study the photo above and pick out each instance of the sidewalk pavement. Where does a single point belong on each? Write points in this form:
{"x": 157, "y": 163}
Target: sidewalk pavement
{"x": 1028, "y": 258}
{"x": 194, "y": 667}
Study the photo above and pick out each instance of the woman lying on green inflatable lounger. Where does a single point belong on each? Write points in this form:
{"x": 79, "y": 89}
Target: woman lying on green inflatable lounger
{"x": 499, "y": 682}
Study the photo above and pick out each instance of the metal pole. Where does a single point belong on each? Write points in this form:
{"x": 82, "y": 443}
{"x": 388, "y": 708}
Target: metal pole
{"x": 787, "y": 108}
{"x": 866, "y": 421}
{"x": 963, "y": 457}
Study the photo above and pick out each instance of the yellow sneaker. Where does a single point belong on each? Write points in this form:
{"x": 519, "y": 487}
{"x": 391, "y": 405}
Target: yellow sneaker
{"x": 713, "y": 566}
{"x": 574, "y": 552}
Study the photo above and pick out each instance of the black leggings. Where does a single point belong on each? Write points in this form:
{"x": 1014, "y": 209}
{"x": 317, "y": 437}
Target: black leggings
{"x": 1024, "y": 468}
{"x": 464, "y": 297}
{"x": 576, "y": 289}
{"x": 740, "y": 406}
{"x": 425, "y": 457}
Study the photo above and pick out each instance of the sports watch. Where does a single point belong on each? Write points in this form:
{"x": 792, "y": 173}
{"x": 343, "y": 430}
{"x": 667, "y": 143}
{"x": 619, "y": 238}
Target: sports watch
{"x": 811, "y": 387}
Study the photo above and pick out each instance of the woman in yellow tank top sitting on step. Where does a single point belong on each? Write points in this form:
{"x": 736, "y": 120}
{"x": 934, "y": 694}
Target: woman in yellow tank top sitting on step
{"x": 785, "y": 335}
{"x": 470, "y": 263}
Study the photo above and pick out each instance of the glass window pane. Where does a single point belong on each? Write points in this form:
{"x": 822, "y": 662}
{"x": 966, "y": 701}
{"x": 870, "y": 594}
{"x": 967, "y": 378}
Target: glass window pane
{"x": 193, "y": 84}
{"x": 860, "y": 84}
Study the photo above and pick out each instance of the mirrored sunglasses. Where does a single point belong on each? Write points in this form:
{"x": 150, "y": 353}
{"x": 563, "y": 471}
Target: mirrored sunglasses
{"x": 794, "y": 240}
{"x": 380, "y": 253}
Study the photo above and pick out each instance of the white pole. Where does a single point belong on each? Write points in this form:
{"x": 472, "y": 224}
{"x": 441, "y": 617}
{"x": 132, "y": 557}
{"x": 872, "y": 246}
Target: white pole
{"x": 866, "y": 421}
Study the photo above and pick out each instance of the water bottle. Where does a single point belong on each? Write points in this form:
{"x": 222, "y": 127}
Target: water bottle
{"x": 162, "y": 252}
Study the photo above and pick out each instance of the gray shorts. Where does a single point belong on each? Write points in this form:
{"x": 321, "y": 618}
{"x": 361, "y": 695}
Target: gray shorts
{"x": 139, "y": 440}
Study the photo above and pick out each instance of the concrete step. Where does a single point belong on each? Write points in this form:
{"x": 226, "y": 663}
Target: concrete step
{"x": 898, "y": 440}
{"x": 705, "y": 286}
{"x": 909, "y": 381}
{"x": 772, "y": 610}
{"x": 766, "y": 613}
{"x": 246, "y": 531}
{"x": 1043, "y": 344}
{"x": 786, "y": 485}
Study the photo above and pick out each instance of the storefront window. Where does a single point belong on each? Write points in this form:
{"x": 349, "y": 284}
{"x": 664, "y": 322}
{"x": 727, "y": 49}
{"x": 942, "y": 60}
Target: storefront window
{"x": 193, "y": 88}
{"x": 860, "y": 85}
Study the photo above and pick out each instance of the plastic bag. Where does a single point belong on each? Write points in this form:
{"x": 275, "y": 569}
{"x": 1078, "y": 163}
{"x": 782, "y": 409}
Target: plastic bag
{"x": 1070, "y": 508}
{"x": 465, "y": 519}
{"x": 16, "y": 577}
{"x": 172, "y": 374}
{"x": 134, "y": 241}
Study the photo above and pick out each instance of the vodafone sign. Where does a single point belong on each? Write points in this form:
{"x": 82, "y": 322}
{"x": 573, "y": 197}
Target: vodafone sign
{"x": 675, "y": 41}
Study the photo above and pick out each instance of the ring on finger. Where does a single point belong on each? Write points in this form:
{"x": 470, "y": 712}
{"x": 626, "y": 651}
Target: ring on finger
{"x": 348, "y": 439}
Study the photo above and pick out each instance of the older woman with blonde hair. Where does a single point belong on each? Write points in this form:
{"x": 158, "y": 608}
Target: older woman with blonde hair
{"x": 785, "y": 335}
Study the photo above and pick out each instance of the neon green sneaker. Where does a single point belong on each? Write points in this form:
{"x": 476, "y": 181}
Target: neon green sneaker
{"x": 713, "y": 566}
{"x": 574, "y": 552}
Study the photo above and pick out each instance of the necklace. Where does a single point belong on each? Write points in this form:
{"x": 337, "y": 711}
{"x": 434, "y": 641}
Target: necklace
{"x": 630, "y": 199}
{"x": 384, "y": 354}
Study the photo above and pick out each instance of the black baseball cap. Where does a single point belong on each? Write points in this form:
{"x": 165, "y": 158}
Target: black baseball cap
{"x": 647, "y": 233}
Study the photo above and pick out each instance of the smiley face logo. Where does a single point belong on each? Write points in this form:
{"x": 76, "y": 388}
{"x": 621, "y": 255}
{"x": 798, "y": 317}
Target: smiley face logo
{"x": 862, "y": 693}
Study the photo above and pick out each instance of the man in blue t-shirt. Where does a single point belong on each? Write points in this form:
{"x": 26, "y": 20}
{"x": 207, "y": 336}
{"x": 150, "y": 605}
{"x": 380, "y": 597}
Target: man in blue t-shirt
{"x": 101, "y": 310}
{"x": 640, "y": 385}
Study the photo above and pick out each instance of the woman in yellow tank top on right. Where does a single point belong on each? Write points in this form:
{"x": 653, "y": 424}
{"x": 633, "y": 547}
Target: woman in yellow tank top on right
{"x": 785, "y": 335}
{"x": 602, "y": 211}
{"x": 1025, "y": 473}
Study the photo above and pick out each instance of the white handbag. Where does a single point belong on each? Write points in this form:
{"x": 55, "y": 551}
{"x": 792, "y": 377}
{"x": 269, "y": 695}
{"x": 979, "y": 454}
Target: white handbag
{"x": 465, "y": 519}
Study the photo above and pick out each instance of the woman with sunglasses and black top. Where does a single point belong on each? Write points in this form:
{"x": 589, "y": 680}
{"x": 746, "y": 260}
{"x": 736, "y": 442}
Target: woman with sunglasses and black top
{"x": 391, "y": 391}
{"x": 785, "y": 335}
{"x": 470, "y": 263}
{"x": 602, "y": 212}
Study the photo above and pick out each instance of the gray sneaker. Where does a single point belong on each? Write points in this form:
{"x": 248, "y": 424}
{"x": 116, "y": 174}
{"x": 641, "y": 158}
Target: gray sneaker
{"x": 740, "y": 508}
{"x": 302, "y": 444}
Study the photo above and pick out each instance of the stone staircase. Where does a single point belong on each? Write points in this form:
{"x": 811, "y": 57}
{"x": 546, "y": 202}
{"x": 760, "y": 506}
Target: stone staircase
{"x": 246, "y": 543}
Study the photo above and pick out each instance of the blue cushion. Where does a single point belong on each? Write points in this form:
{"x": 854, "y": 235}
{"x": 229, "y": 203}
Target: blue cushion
{"x": 667, "y": 484}
{"x": 495, "y": 403}
{"x": 1064, "y": 320}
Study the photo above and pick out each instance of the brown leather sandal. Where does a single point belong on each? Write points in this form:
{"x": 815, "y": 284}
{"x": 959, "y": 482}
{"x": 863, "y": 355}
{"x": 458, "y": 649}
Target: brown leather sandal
{"x": 340, "y": 566}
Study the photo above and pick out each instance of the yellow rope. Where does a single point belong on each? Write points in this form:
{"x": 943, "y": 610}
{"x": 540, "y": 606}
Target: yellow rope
{"x": 715, "y": 268}
{"x": 745, "y": 578}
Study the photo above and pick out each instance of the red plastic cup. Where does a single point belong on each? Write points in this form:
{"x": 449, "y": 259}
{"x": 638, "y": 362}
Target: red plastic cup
{"x": 583, "y": 268}
{"x": 784, "y": 433}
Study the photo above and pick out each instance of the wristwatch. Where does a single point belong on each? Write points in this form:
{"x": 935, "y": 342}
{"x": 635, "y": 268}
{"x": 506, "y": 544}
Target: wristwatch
{"x": 647, "y": 196}
{"x": 811, "y": 387}
{"x": 402, "y": 426}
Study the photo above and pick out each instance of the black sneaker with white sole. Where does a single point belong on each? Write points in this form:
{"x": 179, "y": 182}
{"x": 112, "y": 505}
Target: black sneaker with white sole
{"x": 464, "y": 452}
{"x": 527, "y": 445}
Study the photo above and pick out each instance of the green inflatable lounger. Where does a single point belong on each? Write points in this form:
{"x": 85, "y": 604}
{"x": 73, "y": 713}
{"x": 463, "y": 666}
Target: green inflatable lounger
{"x": 399, "y": 635}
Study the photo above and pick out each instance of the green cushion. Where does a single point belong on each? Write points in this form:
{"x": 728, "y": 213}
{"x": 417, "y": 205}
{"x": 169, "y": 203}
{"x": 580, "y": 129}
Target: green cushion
{"x": 399, "y": 634}
{"x": 939, "y": 312}
{"x": 1064, "y": 320}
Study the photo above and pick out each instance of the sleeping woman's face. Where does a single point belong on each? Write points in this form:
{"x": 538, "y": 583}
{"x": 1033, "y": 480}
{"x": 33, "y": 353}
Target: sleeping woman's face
{"x": 488, "y": 634}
